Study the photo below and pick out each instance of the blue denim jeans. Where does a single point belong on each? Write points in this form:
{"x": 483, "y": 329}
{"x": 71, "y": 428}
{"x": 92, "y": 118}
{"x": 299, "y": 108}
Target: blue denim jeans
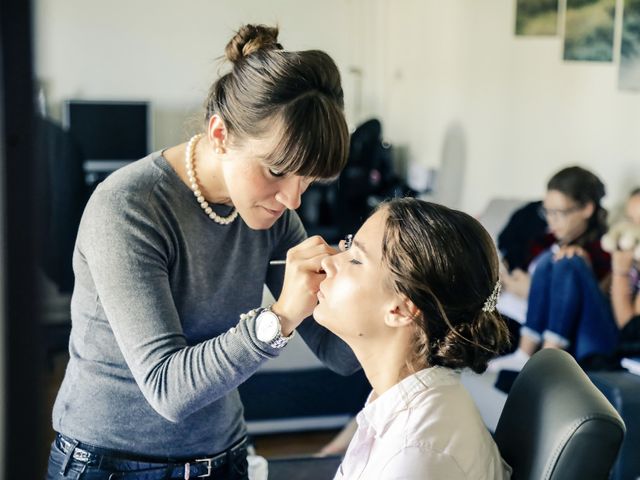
{"x": 566, "y": 305}
{"x": 63, "y": 466}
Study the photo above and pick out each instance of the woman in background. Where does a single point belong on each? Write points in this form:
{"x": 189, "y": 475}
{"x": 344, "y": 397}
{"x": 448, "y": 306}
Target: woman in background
{"x": 414, "y": 296}
{"x": 567, "y": 306}
{"x": 625, "y": 287}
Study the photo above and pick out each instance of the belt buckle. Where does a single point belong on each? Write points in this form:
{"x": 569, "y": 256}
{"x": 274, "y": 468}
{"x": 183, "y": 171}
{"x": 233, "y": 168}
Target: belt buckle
{"x": 209, "y": 467}
{"x": 81, "y": 455}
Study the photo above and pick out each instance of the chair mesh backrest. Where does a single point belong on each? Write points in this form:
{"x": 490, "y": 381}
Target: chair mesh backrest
{"x": 556, "y": 424}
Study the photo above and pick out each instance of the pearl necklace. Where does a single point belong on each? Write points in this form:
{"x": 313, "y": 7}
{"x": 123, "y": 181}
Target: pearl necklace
{"x": 190, "y": 163}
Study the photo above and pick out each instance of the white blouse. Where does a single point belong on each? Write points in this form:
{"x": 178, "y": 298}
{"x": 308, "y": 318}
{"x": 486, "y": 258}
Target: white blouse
{"x": 425, "y": 427}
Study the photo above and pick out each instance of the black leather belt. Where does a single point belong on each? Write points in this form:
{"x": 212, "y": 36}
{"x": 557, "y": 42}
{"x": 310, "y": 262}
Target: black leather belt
{"x": 196, "y": 468}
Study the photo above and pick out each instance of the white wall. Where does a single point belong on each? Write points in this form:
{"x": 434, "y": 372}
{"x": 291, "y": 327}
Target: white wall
{"x": 520, "y": 111}
{"x": 431, "y": 70}
{"x": 552, "y": 112}
{"x": 166, "y": 51}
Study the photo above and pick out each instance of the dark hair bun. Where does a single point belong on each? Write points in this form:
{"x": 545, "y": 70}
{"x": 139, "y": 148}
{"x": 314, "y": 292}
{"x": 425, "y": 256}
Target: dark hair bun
{"x": 251, "y": 38}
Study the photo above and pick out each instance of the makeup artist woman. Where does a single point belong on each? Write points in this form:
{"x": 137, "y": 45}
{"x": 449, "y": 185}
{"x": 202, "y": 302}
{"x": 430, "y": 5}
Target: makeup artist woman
{"x": 170, "y": 262}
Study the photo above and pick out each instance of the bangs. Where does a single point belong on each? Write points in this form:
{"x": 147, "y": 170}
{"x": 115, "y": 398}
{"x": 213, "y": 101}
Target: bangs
{"x": 314, "y": 139}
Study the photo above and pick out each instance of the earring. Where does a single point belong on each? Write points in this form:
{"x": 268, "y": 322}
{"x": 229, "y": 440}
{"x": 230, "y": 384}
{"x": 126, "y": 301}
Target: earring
{"x": 219, "y": 150}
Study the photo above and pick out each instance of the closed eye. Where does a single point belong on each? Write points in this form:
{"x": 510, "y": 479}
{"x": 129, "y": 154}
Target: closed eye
{"x": 275, "y": 173}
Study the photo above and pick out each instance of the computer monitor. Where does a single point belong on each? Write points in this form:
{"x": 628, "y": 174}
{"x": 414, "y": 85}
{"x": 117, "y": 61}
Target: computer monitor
{"x": 110, "y": 134}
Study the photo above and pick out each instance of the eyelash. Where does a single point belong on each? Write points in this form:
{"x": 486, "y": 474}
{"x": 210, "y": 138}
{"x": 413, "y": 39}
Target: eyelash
{"x": 276, "y": 174}
{"x": 348, "y": 240}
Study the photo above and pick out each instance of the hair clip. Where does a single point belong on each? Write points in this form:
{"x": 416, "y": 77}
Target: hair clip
{"x": 348, "y": 240}
{"x": 492, "y": 301}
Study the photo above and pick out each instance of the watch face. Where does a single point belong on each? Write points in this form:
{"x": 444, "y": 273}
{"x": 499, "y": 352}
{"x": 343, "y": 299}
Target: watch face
{"x": 267, "y": 326}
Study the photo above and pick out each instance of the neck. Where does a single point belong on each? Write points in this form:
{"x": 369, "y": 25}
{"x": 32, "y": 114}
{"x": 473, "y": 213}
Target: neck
{"x": 383, "y": 361}
{"x": 574, "y": 238}
{"x": 208, "y": 167}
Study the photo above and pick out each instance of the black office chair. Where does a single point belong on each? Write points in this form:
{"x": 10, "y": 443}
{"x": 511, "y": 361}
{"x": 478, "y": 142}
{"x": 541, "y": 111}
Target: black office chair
{"x": 556, "y": 425}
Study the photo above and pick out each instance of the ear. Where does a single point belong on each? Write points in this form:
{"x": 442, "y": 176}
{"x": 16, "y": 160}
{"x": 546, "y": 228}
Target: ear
{"x": 217, "y": 133}
{"x": 401, "y": 313}
{"x": 588, "y": 210}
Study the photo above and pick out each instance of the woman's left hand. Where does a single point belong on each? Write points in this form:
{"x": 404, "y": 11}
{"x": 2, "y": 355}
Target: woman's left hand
{"x": 569, "y": 251}
{"x": 302, "y": 278}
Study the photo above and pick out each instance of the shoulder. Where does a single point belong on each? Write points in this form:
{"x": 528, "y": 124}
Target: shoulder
{"x": 420, "y": 461}
{"x": 445, "y": 426}
{"x": 594, "y": 249}
{"x": 600, "y": 260}
{"x": 138, "y": 177}
{"x": 541, "y": 245}
{"x": 129, "y": 188}
{"x": 449, "y": 407}
{"x": 127, "y": 202}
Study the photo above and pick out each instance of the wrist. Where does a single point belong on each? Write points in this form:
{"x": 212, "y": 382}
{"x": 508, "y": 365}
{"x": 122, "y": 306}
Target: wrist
{"x": 269, "y": 329}
{"x": 621, "y": 272}
{"x": 286, "y": 325}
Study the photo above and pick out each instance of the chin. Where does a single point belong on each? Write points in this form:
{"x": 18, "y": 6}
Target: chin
{"x": 319, "y": 316}
{"x": 259, "y": 225}
{"x": 328, "y": 321}
{"x": 256, "y": 223}
{"x": 257, "y": 218}
{"x": 560, "y": 236}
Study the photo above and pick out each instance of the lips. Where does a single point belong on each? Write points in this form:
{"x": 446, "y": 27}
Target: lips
{"x": 275, "y": 213}
{"x": 320, "y": 293}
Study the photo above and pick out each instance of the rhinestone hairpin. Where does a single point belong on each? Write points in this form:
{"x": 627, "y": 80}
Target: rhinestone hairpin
{"x": 492, "y": 301}
{"x": 348, "y": 240}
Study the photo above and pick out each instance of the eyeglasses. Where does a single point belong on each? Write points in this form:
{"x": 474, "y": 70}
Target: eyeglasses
{"x": 557, "y": 213}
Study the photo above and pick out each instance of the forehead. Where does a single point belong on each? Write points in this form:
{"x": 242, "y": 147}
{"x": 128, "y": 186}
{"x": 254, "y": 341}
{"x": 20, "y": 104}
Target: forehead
{"x": 557, "y": 199}
{"x": 371, "y": 233}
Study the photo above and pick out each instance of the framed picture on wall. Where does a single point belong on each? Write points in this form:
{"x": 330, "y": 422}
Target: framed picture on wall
{"x": 588, "y": 33}
{"x": 537, "y": 17}
{"x": 629, "y": 75}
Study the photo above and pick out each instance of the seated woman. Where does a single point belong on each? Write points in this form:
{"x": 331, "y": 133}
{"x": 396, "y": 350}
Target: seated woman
{"x": 625, "y": 287}
{"x": 567, "y": 307}
{"x": 414, "y": 296}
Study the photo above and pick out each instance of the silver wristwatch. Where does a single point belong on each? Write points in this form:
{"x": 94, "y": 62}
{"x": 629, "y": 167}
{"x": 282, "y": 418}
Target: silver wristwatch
{"x": 269, "y": 329}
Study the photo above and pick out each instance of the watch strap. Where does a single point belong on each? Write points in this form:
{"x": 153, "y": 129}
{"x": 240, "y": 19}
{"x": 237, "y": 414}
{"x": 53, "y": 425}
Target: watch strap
{"x": 279, "y": 341}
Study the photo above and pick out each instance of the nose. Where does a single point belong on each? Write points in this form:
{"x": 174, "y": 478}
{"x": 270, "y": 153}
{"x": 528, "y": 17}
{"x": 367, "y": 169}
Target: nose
{"x": 553, "y": 220}
{"x": 290, "y": 193}
{"x": 328, "y": 265}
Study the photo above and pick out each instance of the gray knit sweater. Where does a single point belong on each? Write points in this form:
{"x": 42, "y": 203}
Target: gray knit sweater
{"x": 156, "y": 348}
